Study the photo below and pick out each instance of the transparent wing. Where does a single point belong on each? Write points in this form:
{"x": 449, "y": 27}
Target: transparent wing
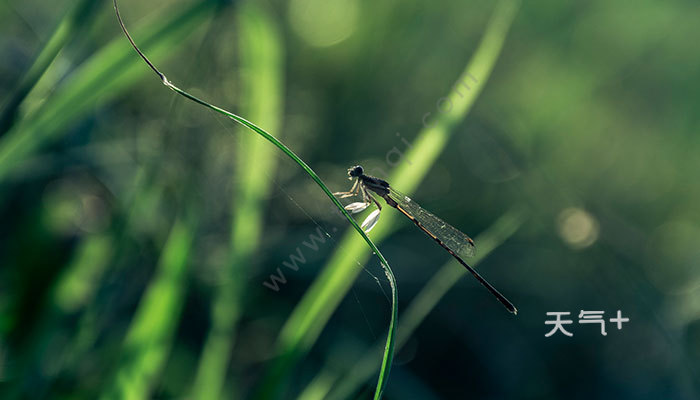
{"x": 450, "y": 236}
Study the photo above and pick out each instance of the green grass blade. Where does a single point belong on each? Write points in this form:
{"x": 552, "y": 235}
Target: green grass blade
{"x": 388, "y": 355}
{"x": 314, "y": 310}
{"x": 101, "y": 78}
{"x": 151, "y": 332}
{"x": 444, "y": 279}
{"x": 261, "y": 59}
{"x": 71, "y": 24}
{"x": 73, "y": 289}
{"x": 390, "y": 343}
{"x": 78, "y": 283}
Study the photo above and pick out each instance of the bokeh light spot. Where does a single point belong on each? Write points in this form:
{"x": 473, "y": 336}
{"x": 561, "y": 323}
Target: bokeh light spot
{"x": 578, "y": 228}
{"x": 323, "y": 23}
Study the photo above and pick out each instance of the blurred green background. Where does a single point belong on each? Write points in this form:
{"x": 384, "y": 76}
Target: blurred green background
{"x": 139, "y": 232}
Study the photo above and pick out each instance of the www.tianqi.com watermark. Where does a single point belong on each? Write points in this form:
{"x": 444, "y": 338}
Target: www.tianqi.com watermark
{"x": 296, "y": 259}
{"x": 394, "y": 157}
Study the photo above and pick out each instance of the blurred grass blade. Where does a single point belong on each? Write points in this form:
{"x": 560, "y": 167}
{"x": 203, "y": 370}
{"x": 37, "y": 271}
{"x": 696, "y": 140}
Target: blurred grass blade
{"x": 151, "y": 332}
{"x": 78, "y": 282}
{"x": 73, "y": 22}
{"x": 102, "y": 77}
{"x": 73, "y": 289}
{"x": 312, "y": 313}
{"x": 444, "y": 279}
{"x": 76, "y": 288}
{"x": 389, "y": 347}
{"x": 261, "y": 71}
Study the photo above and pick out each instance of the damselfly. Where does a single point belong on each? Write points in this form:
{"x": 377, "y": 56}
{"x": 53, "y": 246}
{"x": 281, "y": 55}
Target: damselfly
{"x": 451, "y": 239}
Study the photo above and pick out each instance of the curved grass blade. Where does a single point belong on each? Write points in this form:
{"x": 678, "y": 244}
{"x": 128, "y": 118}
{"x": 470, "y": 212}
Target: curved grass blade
{"x": 319, "y": 302}
{"x": 415, "y": 313}
{"x": 389, "y": 346}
